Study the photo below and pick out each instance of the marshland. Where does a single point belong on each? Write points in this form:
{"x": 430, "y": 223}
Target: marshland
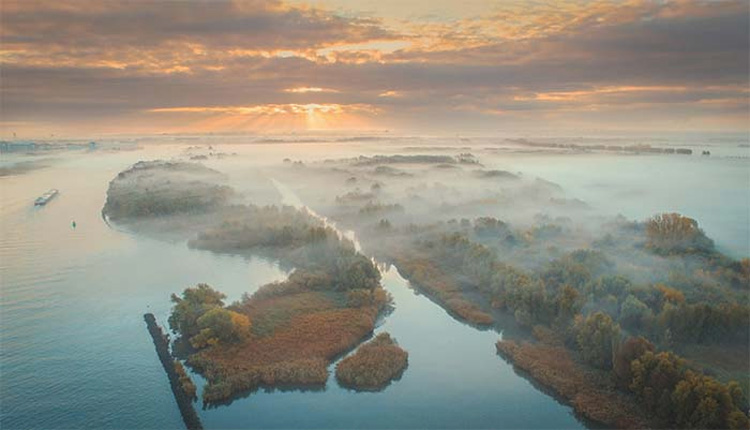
{"x": 274, "y": 274}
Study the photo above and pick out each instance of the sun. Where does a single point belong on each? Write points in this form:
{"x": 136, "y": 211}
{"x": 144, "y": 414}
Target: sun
{"x": 273, "y": 117}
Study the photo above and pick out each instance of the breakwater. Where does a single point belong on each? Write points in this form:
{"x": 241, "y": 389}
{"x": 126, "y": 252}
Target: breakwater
{"x": 185, "y": 403}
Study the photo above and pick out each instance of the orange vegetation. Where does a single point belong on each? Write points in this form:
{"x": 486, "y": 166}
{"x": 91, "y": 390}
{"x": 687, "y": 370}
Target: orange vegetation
{"x": 428, "y": 277}
{"x": 374, "y": 365}
{"x": 296, "y": 335}
{"x": 554, "y": 368}
{"x": 185, "y": 382}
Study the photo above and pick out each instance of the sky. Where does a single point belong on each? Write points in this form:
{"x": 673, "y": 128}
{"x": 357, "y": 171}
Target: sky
{"x": 82, "y": 67}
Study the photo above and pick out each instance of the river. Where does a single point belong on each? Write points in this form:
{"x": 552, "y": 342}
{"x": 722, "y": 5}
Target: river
{"x": 75, "y": 353}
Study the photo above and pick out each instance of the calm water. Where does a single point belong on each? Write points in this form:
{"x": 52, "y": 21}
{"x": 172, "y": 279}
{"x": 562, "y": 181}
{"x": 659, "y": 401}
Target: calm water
{"x": 74, "y": 351}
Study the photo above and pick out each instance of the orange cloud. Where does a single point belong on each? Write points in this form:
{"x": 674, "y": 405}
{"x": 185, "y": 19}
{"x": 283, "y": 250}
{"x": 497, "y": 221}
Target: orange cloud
{"x": 303, "y": 90}
{"x": 87, "y": 60}
{"x": 566, "y": 96}
{"x": 311, "y": 116}
{"x": 274, "y": 109}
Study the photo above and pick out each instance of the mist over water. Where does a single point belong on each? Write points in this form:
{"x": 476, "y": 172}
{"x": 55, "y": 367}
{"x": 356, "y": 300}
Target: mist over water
{"x": 75, "y": 352}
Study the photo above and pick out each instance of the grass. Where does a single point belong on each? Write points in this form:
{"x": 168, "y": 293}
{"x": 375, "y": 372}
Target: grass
{"x": 428, "y": 277}
{"x": 300, "y": 334}
{"x": 373, "y": 366}
{"x": 552, "y": 367}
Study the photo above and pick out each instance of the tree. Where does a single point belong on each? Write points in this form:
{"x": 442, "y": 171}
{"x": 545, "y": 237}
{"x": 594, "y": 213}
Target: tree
{"x": 737, "y": 420}
{"x": 654, "y": 377}
{"x": 220, "y": 325}
{"x": 192, "y": 305}
{"x": 633, "y": 312}
{"x": 576, "y": 269}
{"x": 631, "y": 349}
{"x": 596, "y": 338}
{"x": 616, "y": 285}
{"x": 568, "y": 304}
{"x": 356, "y": 271}
{"x": 703, "y": 402}
{"x": 672, "y": 233}
{"x": 683, "y": 398}
{"x": 671, "y": 295}
{"x": 738, "y": 397}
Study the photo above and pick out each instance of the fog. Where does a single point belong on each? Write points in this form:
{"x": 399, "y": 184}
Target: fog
{"x": 535, "y": 241}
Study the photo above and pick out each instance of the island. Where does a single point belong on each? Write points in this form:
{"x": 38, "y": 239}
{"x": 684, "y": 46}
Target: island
{"x": 374, "y": 365}
{"x": 287, "y": 333}
{"x": 634, "y": 323}
{"x": 648, "y": 314}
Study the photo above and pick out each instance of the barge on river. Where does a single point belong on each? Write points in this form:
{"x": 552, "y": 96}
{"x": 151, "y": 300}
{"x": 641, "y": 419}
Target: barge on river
{"x": 46, "y": 197}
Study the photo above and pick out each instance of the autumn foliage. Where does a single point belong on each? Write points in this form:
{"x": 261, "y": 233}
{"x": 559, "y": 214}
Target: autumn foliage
{"x": 298, "y": 328}
{"x": 374, "y": 365}
{"x": 185, "y": 382}
{"x": 554, "y": 368}
{"x": 287, "y": 333}
{"x": 681, "y": 397}
{"x": 672, "y": 233}
{"x": 295, "y": 352}
{"x": 199, "y": 317}
{"x": 428, "y": 277}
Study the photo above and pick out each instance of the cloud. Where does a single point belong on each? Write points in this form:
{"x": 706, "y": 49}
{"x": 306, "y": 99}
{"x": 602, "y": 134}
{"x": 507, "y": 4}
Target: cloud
{"x": 304, "y": 90}
{"x": 553, "y": 61}
{"x": 272, "y": 109}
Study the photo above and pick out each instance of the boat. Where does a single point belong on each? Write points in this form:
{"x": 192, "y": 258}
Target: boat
{"x": 46, "y": 197}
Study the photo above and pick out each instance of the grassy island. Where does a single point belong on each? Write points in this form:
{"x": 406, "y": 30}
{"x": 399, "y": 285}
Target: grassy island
{"x": 444, "y": 289}
{"x": 298, "y": 327}
{"x": 373, "y": 366}
{"x": 287, "y": 333}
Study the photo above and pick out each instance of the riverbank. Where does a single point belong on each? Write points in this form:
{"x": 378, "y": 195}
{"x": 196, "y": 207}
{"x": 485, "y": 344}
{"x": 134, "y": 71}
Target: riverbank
{"x": 552, "y": 367}
{"x": 434, "y": 282}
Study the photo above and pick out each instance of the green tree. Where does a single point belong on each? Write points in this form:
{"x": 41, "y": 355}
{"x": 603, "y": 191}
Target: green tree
{"x": 220, "y": 325}
{"x": 633, "y": 312}
{"x": 356, "y": 271}
{"x": 192, "y": 305}
{"x": 615, "y": 285}
{"x": 597, "y": 336}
